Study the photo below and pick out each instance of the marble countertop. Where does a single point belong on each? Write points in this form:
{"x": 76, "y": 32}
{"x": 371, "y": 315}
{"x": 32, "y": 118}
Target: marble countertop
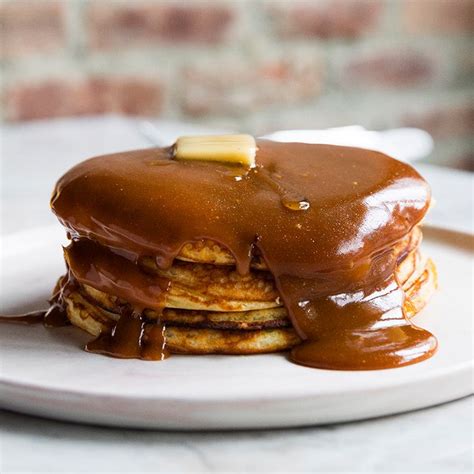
{"x": 435, "y": 440}
{"x": 438, "y": 439}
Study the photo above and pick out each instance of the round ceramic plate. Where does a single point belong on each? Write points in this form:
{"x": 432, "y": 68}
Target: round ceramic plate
{"x": 45, "y": 371}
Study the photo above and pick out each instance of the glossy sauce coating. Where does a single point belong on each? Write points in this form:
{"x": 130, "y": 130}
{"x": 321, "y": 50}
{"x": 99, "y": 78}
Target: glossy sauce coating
{"x": 132, "y": 338}
{"x": 325, "y": 219}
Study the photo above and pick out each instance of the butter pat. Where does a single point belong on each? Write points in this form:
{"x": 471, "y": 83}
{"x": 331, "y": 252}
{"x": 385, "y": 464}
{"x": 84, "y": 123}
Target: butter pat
{"x": 234, "y": 149}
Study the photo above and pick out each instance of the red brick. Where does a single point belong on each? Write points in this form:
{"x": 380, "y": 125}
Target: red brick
{"x": 449, "y": 122}
{"x": 245, "y": 86}
{"x": 112, "y": 24}
{"x": 325, "y": 18}
{"x": 390, "y": 68}
{"x": 31, "y": 27}
{"x": 438, "y": 16}
{"x": 96, "y": 95}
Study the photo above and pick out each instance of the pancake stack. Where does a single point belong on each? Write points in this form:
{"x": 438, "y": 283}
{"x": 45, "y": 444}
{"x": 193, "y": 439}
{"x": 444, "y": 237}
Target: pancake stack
{"x": 209, "y": 308}
{"x": 316, "y": 249}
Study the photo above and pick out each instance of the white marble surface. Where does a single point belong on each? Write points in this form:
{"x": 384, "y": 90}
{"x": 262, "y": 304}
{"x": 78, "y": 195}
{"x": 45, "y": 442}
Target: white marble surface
{"x": 432, "y": 440}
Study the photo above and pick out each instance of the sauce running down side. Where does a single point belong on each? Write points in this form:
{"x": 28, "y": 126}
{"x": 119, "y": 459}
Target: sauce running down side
{"x": 53, "y": 317}
{"x": 324, "y": 218}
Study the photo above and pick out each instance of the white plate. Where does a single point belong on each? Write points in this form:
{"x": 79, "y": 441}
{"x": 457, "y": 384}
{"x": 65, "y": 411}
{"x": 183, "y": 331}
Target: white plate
{"x": 45, "y": 372}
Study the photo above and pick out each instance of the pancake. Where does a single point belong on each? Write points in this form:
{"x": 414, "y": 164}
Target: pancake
{"x": 207, "y": 251}
{"x": 215, "y": 288}
{"x": 419, "y": 291}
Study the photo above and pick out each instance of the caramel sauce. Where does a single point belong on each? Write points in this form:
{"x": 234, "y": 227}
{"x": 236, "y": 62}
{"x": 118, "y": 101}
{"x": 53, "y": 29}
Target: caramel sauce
{"x": 104, "y": 269}
{"x": 332, "y": 259}
{"x": 53, "y": 317}
{"x": 132, "y": 338}
{"x": 35, "y": 317}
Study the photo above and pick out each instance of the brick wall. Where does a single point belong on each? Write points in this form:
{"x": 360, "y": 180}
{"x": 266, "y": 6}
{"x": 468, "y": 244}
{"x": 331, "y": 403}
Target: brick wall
{"x": 255, "y": 65}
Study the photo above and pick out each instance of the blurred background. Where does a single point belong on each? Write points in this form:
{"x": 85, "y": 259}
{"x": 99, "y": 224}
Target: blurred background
{"x": 250, "y": 65}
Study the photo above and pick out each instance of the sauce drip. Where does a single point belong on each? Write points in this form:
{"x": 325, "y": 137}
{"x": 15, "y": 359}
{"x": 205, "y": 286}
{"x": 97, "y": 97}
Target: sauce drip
{"x": 54, "y": 316}
{"x": 132, "y": 338}
{"x": 332, "y": 260}
{"x": 102, "y": 268}
{"x": 35, "y": 317}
